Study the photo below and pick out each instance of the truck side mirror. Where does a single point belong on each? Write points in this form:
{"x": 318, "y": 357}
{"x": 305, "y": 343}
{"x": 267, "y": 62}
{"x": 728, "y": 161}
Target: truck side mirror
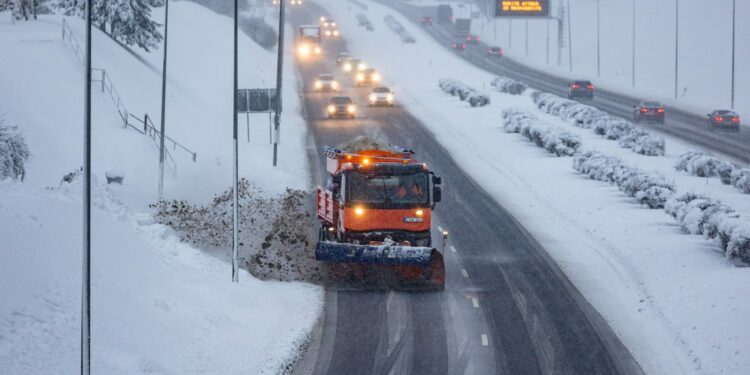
{"x": 437, "y": 180}
{"x": 437, "y": 194}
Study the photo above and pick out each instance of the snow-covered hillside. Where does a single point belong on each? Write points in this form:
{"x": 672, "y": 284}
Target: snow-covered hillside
{"x": 673, "y": 298}
{"x": 158, "y": 305}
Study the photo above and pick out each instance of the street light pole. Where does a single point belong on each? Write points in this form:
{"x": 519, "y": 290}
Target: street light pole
{"x": 633, "y": 47}
{"x": 86, "y": 271}
{"x": 279, "y": 68}
{"x": 235, "y": 165}
{"x": 570, "y": 39}
{"x": 734, "y": 16}
{"x": 547, "y": 22}
{"x": 598, "y": 40}
{"x": 527, "y": 37}
{"x": 676, "y": 44}
{"x": 163, "y": 101}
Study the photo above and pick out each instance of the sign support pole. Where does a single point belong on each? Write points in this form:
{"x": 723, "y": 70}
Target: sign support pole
{"x": 279, "y": 67}
{"x": 86, "y": 272}
{"x": 235, "y": 166}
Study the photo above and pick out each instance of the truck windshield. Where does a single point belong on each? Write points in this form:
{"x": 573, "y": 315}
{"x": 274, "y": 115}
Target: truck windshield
{"x": 388, "y": 191}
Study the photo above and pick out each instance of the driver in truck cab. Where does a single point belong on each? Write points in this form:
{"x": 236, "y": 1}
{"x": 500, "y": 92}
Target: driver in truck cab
{"x": 408, "y": 187}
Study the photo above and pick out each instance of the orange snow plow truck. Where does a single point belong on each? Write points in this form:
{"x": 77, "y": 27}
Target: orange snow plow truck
{"x": 375, "y": 213}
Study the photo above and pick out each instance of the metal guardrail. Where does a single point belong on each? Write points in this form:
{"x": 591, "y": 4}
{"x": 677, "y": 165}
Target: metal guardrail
{"x": 143, "y": 126}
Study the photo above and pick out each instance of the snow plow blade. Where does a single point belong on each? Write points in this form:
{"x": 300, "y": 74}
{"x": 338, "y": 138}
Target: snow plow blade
{"x": 421, "y": 265}
{"x": 373, "y": 254}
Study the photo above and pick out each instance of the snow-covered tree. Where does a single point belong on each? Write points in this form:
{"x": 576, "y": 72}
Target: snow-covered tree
{"x": 128, "y": 21}
{"x": 13, "y": 153}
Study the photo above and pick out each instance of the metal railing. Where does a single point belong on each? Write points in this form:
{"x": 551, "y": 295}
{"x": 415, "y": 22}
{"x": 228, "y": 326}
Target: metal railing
{"x": 143, "y": 126}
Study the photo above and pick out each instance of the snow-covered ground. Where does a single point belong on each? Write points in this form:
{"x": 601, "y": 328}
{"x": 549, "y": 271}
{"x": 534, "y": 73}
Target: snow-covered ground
{"x": 158, "y": 305}
{"x": 704, "y": 57}
{"x": 673, "y": 298}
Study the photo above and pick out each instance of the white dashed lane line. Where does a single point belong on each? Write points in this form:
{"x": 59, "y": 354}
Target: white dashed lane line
{"x": 485, "y": 340}
{"x": 463, "y": 272}
{"x": 475, "y": 302}
{"x": 453, "y": 249}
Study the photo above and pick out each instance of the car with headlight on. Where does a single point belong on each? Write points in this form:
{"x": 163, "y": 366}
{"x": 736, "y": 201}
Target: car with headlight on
{"x": 342, "y": 58}
{"x": 354, "y": 66}
{"x": 381, "y": 96}
{"x": 368, "y": 77}
{"x": 724, "y": 119}
{"x": 326, "y": 82}
{"x": 328, "y": 23}
{"x": 341, "y": 107}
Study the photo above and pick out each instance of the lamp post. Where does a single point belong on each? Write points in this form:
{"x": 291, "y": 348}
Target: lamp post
{"x": 86, "y": 271}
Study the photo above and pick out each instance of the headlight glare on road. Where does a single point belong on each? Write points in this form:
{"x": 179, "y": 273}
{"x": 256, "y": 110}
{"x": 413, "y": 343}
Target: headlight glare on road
{"x": 351, "y": 108}
{"x": 331, "y": 109}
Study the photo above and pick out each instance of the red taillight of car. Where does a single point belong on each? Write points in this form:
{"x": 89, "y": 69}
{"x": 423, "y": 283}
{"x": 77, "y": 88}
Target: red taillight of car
{"x": 454, "y": 45}
{"x": 660, "y": 110}
{"x": 463, "y": 46}
{"x": 590, "y": 86}
{"x": 468, "y": 38}
{"x": 477, "y": 39}
{"x": 575, "y": 86}
{"x": 736, "y": 120}
{"x": 718, "y": 118}
{"x": 644, "y": 110}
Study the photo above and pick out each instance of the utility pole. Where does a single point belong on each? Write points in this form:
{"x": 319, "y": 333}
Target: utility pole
{"x": 598, "y": 40}
{"x": 547, "y": 22}
{"x": 510, "y": 33}
{"x": 527, "y": 37}
{"x": 734, "y": 16}
{"x": 676, "y": 44}
{"x": 279, "y": 70}
{"x": 162, "y": 151}
{"x": 570, "y": 39}
{"x": 235, "y": 164}
{"x": 633, "y": 47}
{"x": 86, "y": 272}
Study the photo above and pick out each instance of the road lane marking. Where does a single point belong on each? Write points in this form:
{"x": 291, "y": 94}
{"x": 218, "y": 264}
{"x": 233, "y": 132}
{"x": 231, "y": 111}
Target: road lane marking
{"x": 463, "y": 272}
{"x": 453, "y": 249}
{"x": 485, "y": 340}
{"x": 440, "y": 229}
{"x": 475, "y": 302}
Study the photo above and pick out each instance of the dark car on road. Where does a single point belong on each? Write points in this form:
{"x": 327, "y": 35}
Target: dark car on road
{"x": 342, "y": 58}
{"x": 648, "y": 111}
{"x": 581, "y": 89}
{"x": 426, "y": 20}
{"x": 341, "y": 107}
{"x": 472, "y": 39}
{"x": 724, "y": 119}
{"x": 459, "y": 44}
{"x": 495, "y": 52}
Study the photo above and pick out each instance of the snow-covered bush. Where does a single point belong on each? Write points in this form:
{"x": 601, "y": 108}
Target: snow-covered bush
{"x": 277, "y": 233}
{"x": 648, "y": 188}
{"x": 13, "y": 153}
{"x": 740, "y": 179}
{"x": 551, "y": 138}
{"x": 588, "y": 117}
{"x": 464, "y": 92}
{"x": 508, "y": 85}
{"x": 701, "y": 164}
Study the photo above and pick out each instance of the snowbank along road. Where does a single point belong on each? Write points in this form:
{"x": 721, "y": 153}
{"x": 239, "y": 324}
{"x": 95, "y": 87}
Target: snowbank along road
{"x": 506, "y": 308}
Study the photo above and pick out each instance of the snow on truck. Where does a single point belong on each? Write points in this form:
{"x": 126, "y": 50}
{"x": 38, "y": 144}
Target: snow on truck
{"x": 375, "y": 213}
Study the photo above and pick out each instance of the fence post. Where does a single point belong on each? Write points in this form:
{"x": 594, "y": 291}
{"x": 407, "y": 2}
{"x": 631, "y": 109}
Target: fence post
{"x": 145, "y": 122}
{"x": 102, "y": 80}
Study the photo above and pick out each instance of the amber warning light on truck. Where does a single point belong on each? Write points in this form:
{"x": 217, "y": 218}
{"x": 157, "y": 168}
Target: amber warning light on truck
{"x": 522, "y": 8}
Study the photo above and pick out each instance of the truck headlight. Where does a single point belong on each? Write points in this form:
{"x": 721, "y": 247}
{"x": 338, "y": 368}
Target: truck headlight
{"x": 331, "y": 109}
{"x": 376, "y": 77}
{"x": 317, "y": 50}
{"x": 359, "y": 211}
{"x": 351, "y": 108}
{"x": 362, "y": 66}
{"x": 318, "y": 84}
{"x": 304, "y": 50}
{"x": 360, "y": 77}
{"x": 389, "y": 97}
{"x": 335, "y": 33}
{"x": 348, "y": 67}
{"x": 328, "y": 32}
{"x": 334, "y": 84}
{"x": 373, "y": 97}
{"x": 333, "y": 24}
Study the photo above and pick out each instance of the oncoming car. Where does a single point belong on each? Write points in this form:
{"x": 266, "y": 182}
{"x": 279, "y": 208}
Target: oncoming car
{"x": 724, "y": 119}
{"x": 648, "y": 111}
{"x": 326, "y": 82}
{"x": 342, "y": 58}
{"x": 368, "y": 77}
{"x": 354, "y": 65}
{"x": 381, "y": 96}
{"x": 341, "y": 107}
